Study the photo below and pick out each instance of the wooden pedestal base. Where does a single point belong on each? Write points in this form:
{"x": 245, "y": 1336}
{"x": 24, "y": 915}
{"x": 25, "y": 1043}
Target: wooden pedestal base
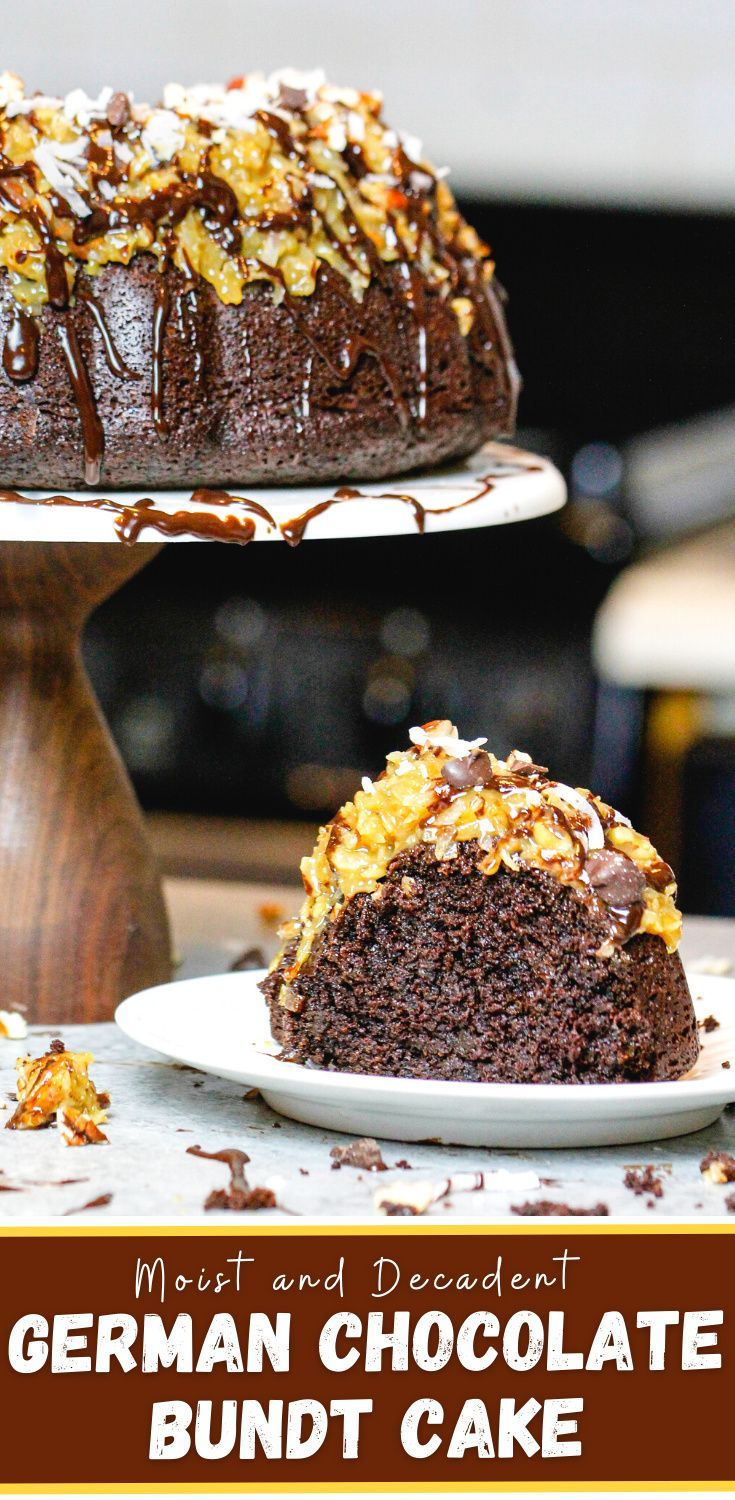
{"x": 82, "y": 918}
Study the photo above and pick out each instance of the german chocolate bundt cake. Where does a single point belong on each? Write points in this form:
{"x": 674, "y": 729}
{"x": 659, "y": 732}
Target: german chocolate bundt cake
{"x": 470, "y": 918}
{"x": 258, "y": 283}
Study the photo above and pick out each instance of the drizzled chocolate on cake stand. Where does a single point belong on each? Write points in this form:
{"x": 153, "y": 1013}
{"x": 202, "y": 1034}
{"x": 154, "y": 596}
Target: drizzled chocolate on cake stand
{"x": 234, "y": 318}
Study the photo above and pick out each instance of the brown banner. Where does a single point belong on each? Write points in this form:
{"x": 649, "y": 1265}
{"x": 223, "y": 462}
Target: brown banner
{"x": 396, "y": 1357}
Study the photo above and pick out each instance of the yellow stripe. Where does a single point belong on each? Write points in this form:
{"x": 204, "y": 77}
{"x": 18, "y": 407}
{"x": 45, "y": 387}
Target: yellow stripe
{"x": 369, "y": 1487}
{"x": 383, "y": 1227}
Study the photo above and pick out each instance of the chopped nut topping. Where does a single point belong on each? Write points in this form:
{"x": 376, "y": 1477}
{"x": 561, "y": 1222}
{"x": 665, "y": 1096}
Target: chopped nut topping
{"x": 519, "y": 817}
{"x": 57, "y": 1081}
{"x": 77, "y": 1128}
{"x": 268, "y": 179}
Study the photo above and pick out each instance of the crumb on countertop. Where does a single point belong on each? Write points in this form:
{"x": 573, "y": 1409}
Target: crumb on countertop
{"x": 55, "y": 1083}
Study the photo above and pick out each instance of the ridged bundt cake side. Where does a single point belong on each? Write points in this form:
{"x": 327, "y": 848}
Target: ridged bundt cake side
{"x": 259, "y": 283}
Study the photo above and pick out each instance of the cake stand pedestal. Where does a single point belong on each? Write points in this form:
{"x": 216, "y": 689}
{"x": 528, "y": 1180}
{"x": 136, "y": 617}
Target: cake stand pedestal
{"x": 82, "y": 920}
{"x": 82, "y": 917}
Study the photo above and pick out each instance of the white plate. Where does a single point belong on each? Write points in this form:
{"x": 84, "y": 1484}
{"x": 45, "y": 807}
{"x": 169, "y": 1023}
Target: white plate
{"x": 221, "y": 1026}
{"x": 498, "y": 484}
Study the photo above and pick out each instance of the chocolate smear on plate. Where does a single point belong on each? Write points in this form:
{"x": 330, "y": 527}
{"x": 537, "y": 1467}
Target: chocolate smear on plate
{"x": 238, "y": 1195}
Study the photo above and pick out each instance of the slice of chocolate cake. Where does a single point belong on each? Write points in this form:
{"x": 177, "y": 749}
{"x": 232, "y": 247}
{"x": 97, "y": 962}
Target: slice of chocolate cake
{"x": 470, "y": 918}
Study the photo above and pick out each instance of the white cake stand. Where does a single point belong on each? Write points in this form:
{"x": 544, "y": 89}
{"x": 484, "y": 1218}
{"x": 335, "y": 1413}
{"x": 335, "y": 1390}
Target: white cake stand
{"x": 497, "y": 485}
{"x": 83, "y": 921}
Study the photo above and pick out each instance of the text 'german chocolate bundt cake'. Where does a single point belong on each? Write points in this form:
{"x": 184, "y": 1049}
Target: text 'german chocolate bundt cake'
{"x": 257, "y": 283}
{"x": 470, "y": 918}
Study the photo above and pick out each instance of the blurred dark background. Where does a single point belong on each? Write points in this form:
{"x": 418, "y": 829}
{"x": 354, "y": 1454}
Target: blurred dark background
{"x": 261, "y": 685}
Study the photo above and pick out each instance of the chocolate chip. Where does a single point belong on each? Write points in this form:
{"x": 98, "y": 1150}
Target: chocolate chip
{"x": 117, "y": 113}
{"x": 468, "y": 770}
{"x": 521, "y": 767}
{"x": 616, "y": 878}
{"x": 292, "y": 99}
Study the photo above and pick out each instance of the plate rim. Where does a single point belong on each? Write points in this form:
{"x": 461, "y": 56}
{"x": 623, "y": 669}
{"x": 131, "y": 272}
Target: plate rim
{"x": 274, "y": 1075}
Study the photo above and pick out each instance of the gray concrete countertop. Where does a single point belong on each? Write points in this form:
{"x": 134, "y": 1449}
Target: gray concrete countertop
{"x": 159, "y": 1109}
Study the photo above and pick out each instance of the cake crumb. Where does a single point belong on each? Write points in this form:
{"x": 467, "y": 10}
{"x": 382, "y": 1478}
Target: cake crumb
{"x": 57, "y": 1080}
{"x": 547, "y": 1208}
{"x": 710, "y": 1023}
{"x": 364, "y": 1154}
{"x": 643, "y": 1180}
{"x": 730, "y": 1203}
{"x": 77, "y": 1128}
{"x": 718, "y": 1167}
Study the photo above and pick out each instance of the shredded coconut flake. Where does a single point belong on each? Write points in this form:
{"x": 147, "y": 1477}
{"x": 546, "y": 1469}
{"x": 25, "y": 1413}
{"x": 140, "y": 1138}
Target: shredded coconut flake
{"x": 413, "y": 147}
{"x": 164, "y": 135}
{"x": 11, "y": 90}
{"x": 450, "y": 743}
{"x": 61, "y": 174}
{"x": 12, "y": 1025}
{"x": 82, "y": 110}
{"x": 594, "y": 830}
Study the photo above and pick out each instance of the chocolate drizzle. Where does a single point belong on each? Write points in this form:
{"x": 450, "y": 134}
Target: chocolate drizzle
{"x": 294, "y": 531}
{"x": 352, "y": 349}
{"x": 161, "y": 309}
{"x": 417, "y": 228}
{"x": 115, "y": 361}
{"x": 94, "y": 439}
{"x": 132, "y": 519}
{"x": 20, "y": 350}
{"x": 188, "y": 315}
{"x": 210, "y": 194}
{"x": 56, "y": 278}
